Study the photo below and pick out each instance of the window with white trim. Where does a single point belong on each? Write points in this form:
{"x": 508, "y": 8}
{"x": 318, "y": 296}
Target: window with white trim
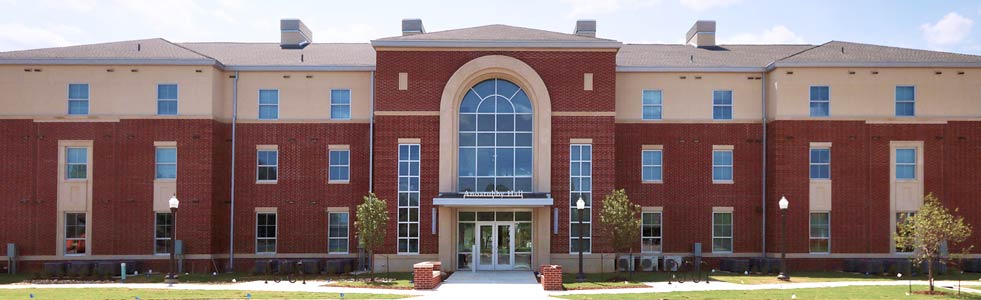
{"x": 78, "y": 99}
{"x": 820, "y": 232}
{"x": 652, "y": 104}
{"x": 337, "y": 232}
{"x": 722, "y": 232}
{"x": 580, "y": 178}
{"x": 408, "y": 224}
{"x": 163, "y": 232}
{"x": 166, "y": 163}
{"x": 820, "y": 101}
{"x": 905, "y": 101}
{"x": 265, "y": 232}
{"x": 75, "y": 233}
{"x": 722, "y": 105}
{"x": 267, "y": 165}
{"x": 722, "y": 165}
{"x": 340, "y": 165}
{"x": 167, "y": 99}
{"x": 340, "y": 104}
{"x": 651, "y": 165}
{"x": 906, "y": 163}
{"x": 76, "y": 163}
{"x": 900, "y": 218}
{"x": 650, "y": 232}
{"x": 820, "y": 163}
{"x": 268, "y": 104}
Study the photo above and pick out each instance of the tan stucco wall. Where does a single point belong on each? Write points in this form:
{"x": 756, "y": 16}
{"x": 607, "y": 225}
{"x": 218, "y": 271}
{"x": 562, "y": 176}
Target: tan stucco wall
{"x": 301, "y": 98}
{"x": 866, "y": 96}
{"x": 689, "y": 99}
{"x": 121, "y": 93}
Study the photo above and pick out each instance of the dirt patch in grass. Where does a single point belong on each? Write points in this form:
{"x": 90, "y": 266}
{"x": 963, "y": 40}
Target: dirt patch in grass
{"x": 378, "y": 283}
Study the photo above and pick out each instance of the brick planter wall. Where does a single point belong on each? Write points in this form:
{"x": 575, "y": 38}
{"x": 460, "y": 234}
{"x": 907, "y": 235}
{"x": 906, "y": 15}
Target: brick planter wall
{"x": 552, "y": 277}
{"x": 427, "y": 275}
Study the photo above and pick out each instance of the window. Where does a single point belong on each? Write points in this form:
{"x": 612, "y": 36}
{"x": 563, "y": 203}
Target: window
{"x": 495, "y": 138}
{"x": 722, "y": 105}
{"x": 340, "y": 165}
{"x": 340, "y": 104}
{"x": 650, "y": 232}
{"x": 905, "y": 101}
{"x": 820, "y": 232}
{"x": 906, "y": 163}
{"x": 722, "y": 165}
{"x": 580, "y": 178}
{"x": 267, "y": 165}
{"x": 652, "y": 105}
{"x": 268, "y": 104}
{"x": 408, "y": 198}
{"x": 900, "y": 218}
{"x": 166, "y": 163}
{"x": 265, "y": 233}
{"x": 74, "y": 233}
{"x": 820, "y": 163}
{"x": 722, "y": 232}
{"x": 163, "y": 233}
{"x": 651, "y": 165}
{"x": 78, "y": 99}
{"x": 820, "y": 101}
{"x": 167, "y": 99}
{"x": 337, "y": 232}
{"x": 76, "y": 163}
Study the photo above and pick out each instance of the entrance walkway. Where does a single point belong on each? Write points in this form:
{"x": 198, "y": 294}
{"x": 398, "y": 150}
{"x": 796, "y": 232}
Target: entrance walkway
{"x": 508, "y": 285}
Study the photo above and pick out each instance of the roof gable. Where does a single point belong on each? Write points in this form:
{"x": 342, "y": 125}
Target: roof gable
{"x": 146, "y": 51}
{"x": 839, "y": 53}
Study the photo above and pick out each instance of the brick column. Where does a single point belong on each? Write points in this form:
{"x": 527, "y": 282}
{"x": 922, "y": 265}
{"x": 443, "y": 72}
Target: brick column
{"x": 552, "y": 277}
{"x": 426, "y": 275}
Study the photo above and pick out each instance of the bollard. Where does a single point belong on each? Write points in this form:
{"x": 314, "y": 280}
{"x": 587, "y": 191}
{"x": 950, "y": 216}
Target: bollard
{"x": 122, "y": 266}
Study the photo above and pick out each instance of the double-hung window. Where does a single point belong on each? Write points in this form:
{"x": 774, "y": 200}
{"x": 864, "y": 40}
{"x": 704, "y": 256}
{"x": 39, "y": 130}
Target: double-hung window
{"x": 905, "y": 101}
{"x": 408, "y": 238}
{"x": 166, "y": 99}
{"x": 906, "y": 163}
{"x": 163, "y": 233}
{"x": 340, "y": 104}
{"x": 268, "y": 104}
{"x": 75, "y": 233}
{"x": 650, "y": 232}
{"x": 340, "y": 165}
{"x": 76, "y": 163}
{"x": 78, "y": 99}
{"x": 267, "y": 165}
{"x": 651, "y": 165}
{"x": 820, "y": 232}
{"x": 820, "y": 163}
{"x": 820, "y": 101}
{"x": 722, "y": 105}
{"x": 580, "y": 178}
{"x": 722, "y": 232}
{"x": 337, "y": 232}
{"x": 721, "y": 165}
{"x": 651, "y": 104}
{"x": 265, "y": 233}
{"x": 166, "y": 161}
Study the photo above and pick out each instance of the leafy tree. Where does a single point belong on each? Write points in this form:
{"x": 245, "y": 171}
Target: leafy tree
{"x": 621, "y": 220}
{"x": 926, "y": 231}
{"x": 372, "y": 224}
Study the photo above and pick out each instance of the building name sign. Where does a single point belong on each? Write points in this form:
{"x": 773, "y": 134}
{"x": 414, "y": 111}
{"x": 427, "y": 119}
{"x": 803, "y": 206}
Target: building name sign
{"x": 508, "y": 194}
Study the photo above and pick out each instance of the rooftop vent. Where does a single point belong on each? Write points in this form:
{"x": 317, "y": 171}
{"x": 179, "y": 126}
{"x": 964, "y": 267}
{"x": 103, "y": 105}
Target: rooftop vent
{"x": 412, "y": 27}
{"x": 585, "y": 28}
{"x": 702, "y": 34}
{"x": 294, "y": 34}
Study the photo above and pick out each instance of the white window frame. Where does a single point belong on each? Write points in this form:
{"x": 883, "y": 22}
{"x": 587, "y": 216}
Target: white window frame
{"x": 812, "y": 100}
{"x": 259, "y": 101}
{"x": 331, "y": 164}
{"x": 175, "y": 100}
{"x": 732, "y": 231}
{"x": 657, "y": 105}
{"x": 68, "y": 163}
{"x": 347, "y": 232}
{"x": 655, "y": 166}
{"x": 88, "y": 103}
{"x": 333, "y": 104}
{"x": 573, "y": 197}
{"x": 730, "y": 105}
{"x": 83, "y": 238}
{"x": 810, "y": 229}
{"x": 156, "y": 238}
{"x": 896, "y": 100}
{"x": 259, "y": 166}
{"x": 408, "y": 237}
{"x": 157, "y": 163}
{"x": 660, "y": 223}
{"x": 913, "y": 164}
{"x": 732, "y": 173}
{"x": 274, "y": 239}
{"x": 811, "y": 163}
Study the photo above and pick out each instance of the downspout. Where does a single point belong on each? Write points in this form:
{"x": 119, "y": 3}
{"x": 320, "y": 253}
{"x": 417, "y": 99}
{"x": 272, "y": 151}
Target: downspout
{"x": 231, "y": 210}
{"x": 371, "y": 137}
{"x": 764, "y": 85}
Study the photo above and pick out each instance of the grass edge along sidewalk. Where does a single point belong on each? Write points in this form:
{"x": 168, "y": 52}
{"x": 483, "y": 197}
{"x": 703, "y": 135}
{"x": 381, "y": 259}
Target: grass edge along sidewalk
{"x": 147, "y": 294}
{"x": 874, "y": 292}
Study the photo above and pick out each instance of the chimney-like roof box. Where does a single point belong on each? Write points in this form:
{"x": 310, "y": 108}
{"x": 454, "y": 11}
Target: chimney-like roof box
{"x": 702, "y": 34}
{"x": 412, "y": 27}
{"x": 294, "y": 34}
{"x": 585, "y": 28}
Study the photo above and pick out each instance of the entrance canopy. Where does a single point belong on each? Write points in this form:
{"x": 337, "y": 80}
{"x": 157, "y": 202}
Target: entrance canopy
{"x": 493, "y": 199}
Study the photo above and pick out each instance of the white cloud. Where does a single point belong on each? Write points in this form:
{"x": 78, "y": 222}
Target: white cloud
{"x": 703, "y": 5}
{"x": 20, "y": 36}
{"x": 355, "y": 33}
{"x": 949, "y": 30}
{"x": 778, "y": 34}
{"x": 596, "y": 7}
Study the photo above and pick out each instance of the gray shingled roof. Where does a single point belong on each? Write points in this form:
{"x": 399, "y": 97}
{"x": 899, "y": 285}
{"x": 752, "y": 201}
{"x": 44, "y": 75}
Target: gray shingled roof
{"x": 847, "y": 53}
{"x": 496, "y": 35}
{"x": 662, "y": 56}
{"x": 262, "y": 56}
{"x": 145, "y": 51}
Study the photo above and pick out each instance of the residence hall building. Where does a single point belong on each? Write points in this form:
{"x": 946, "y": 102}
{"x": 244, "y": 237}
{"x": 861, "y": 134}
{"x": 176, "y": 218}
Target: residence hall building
{"x": 481, "y": 140}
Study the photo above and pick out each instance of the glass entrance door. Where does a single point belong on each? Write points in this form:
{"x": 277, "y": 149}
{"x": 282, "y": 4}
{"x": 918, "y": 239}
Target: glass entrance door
{"x": 486, "y": 245}
{"x": 494, "y": 240}
{"x": 496, "y": 246}
{"x": 504, "y": 248}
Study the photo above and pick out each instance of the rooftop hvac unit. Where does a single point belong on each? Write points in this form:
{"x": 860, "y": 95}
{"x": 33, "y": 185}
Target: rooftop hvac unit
{"x": 648, "y": 263}
{"x": 672, "y": 263}
{"x": 625, "y": 263}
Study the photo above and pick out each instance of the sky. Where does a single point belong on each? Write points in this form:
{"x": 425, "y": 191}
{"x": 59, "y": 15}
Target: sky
{"x": 934, "y": 25}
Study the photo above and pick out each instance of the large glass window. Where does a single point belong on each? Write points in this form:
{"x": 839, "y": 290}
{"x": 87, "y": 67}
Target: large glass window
{"x": 652, "y": 105}
{"x": 495, "y": 138}
{"x": 820, "y": 232}
{"x": 408, "y": 241}
{"x": 74, "y": 233}
{"x": 722, "y": 165}
{"x": 265, "y": 233}
{"x": 337, "y": 232}
{"x": 340, "y": 104}
{"x": 820, "y": 101}
{"x": 905, "y": 101}
{"x": 76, "y": 163}
{"x": 163, "y": 232}
{"x": 906, "y": 163}
{"x": 166, "y": 99}
{"x": 267, "y": 165}
{"x": 722, "y": 232}
{"x": 78, "y": 99}
{"x": 268, "y": 104}
{"x": 722, "y": 105}
{"x": 340, "y": 165}
{"x": 820, "y": 163}
{"x": 651, "y": 165}
{"x": 650, "y": 232}
{"x": 580, "y": 186}
{"x": 166, "y": 161}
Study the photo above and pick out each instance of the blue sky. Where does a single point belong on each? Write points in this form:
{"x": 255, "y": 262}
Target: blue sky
{"x": 935, "y": 25}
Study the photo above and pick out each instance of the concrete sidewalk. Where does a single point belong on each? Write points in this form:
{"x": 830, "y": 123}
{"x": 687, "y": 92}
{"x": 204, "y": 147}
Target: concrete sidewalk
{"x": 663, "y": 287}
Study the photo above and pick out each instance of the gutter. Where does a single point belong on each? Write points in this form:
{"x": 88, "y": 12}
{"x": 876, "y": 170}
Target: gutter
{"x": 763, "y": 198}
{"x": 231, "y": 210}
{"x": 371, "y": 137}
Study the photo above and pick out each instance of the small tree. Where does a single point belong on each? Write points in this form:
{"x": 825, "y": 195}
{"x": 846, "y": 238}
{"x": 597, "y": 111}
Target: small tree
{"x": 621, "y": 219}
{"x": 926, "y": 231}
{"x": 372, "y": 224}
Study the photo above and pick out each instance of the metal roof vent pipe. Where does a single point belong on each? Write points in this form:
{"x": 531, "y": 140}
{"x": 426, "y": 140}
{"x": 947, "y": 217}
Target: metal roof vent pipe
{"x": 585, "y": 28}
{"x": 412, "y": 27}
{"x": 294, "y": 34}
{"x": 702, "y": 34}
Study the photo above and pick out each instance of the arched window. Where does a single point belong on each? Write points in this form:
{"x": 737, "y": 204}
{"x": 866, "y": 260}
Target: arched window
{"x": 495, "y": 138}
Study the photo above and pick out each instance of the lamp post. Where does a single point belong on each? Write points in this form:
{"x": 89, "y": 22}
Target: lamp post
{"x": 783, "y": 239}
{"x": 580, "y": 206}
{"x": 173, "y": 203}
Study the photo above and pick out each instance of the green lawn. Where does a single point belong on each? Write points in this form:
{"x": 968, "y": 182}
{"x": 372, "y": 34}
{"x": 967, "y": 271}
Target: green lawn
{"x": 611, "y": 280}
{"x": 843, "y": 293}
{"x": 220, "y": 278}
{"x": 826, "y": 277}
{"x": 146, "y": 294}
